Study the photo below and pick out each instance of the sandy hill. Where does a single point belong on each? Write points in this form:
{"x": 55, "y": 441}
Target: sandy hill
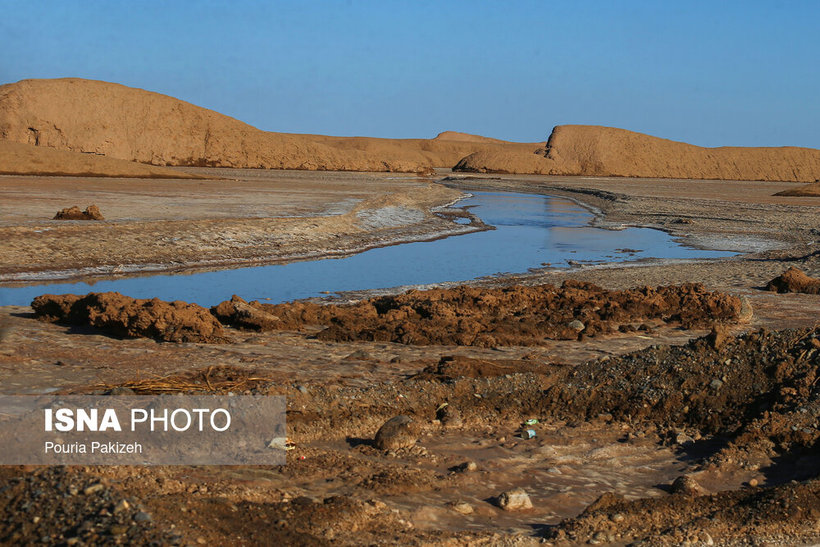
{"x": 101, "y": 118}
{"x": 133, "y": 124}
{"x": 26, "y": 159}
{"x": 606, "y": 151}
{"x": 465, "y": 137}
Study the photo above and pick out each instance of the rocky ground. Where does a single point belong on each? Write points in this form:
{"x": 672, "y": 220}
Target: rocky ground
{"x": 674, "y": 433}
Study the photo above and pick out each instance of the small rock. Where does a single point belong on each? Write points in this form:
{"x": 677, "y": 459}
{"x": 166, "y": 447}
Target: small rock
{"x": 462, "y": 507}
{"x": 617, "y": 517}
{"x": 554, "y": 471}
{"x": 514, "y": 500}
{"x": 718, "y": 337}
{"x": 121, "y": 506}
{"x": 396, "y": 433}
{"x": 359, "y": 355}
{"x": 302, "y": 389}
{"x": 598, "y": 538}
{"x": 449, "y": 416}
{"x": 142, "y": 516}
{"x": 716, "y": 383}
{"x": 687, "y": 486}
{"x": 118, "y": 529}
{"x": 93, "y": 489}
{"x": 467, "y": 467}
{"x": 576, "y": 325}
{"x": 682, "y": 439}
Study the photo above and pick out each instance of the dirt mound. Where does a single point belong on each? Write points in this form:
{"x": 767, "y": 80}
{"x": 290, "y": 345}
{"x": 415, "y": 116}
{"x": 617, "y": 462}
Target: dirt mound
{"x": 808, "y": 190}
{"x": 470, "y": 316}
{"x": 611, "y": 152}
{"x": 92, "y": 212}
{"x": 133, "y": 124}
{"x": 128, "y": 317}
{"x": 715, "y": 390}
{"x": 794, "y": 280}
{"x": 27, "y": 159}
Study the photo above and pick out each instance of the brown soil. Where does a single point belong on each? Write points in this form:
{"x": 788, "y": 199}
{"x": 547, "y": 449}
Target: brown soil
{"x": 794, "y": 280}
{"x": 130, "y": 317}
{"x": 340, "y": 486}
{"x": 725, "y": 518}
{"x": 750, "y": 428}
{"x": 519, "y": 316}
{"x": 609, "y": 152}
{"x": 766, "y": 407}
{"x": 92, "y": 212}
{"x": 451, "y": 367}
{"x": 18, "y": 158}
{"x": 808, "y": 190}
{"x": 133, "y": 124}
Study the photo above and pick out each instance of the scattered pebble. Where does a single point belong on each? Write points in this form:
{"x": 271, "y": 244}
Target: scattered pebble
{"x": 463, "y": 507}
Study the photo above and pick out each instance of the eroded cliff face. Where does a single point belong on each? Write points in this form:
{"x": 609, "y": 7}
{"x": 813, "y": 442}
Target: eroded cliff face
{"x": 27, "y": 159}
{"x": 606, "y": 151}
{"x": 134, "y": 124}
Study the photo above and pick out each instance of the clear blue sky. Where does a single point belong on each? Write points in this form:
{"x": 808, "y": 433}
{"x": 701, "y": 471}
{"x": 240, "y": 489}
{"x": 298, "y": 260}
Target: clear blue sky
{"x": 707, "y": 72}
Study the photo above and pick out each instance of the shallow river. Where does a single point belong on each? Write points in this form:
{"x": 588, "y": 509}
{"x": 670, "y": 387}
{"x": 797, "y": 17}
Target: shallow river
{"x": 531, "y": 232}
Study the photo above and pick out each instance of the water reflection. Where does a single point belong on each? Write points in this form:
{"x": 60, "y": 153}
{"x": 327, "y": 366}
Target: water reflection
{"x": 531, "y": 231}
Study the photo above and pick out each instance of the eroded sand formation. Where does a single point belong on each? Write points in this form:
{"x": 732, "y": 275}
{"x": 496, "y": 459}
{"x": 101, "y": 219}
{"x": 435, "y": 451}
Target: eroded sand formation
{"x": 610, "y": 152}
{"x": 133, "y": 124}
{"x": 794, "y": 280}
{"x": 27, "y": 159}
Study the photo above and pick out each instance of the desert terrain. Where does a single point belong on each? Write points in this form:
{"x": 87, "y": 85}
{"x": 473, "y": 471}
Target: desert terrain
{"x": 442, "y": 488}
{"x": 651, "y": 402}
